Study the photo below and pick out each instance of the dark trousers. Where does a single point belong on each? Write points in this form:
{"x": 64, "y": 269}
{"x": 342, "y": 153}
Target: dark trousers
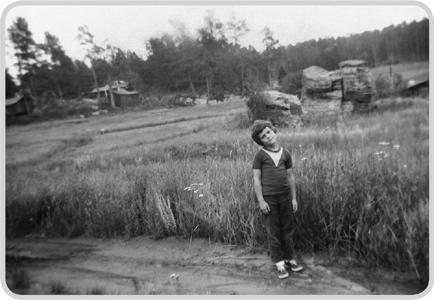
{"x": 279, "y": 223}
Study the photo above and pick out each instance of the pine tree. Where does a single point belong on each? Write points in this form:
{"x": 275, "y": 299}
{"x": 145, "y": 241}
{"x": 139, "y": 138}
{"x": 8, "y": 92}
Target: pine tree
{"x": 25, "y": 50}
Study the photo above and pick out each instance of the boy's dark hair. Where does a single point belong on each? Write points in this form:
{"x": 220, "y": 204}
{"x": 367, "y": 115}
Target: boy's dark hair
{"x": 257, "y": 128}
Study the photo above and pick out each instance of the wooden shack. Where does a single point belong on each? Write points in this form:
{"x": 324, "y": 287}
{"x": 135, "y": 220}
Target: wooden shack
{"x": 124, "y": 98}
{"x": 19, "y": 105}
{"x": 418, "y": 85}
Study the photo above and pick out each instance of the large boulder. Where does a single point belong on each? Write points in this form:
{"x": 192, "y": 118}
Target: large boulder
{"x": 322, "y": 91}
{"x": 283, "y": 109}
{"x": 324, "y": 103}
{"x": 357, "y": 84}
{"x": 350, "y": 88}
{"x": 278, "y": 100}
{"x": 316, "y": 79}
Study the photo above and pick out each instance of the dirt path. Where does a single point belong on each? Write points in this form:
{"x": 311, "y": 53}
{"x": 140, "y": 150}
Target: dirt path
{"x": 174, "y": 266}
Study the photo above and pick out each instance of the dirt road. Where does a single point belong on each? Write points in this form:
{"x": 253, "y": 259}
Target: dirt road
{"x": 176, "y": 266}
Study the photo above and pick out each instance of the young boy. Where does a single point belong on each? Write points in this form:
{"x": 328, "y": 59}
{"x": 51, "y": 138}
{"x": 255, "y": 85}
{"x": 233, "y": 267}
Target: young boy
{"x": 274, "y": 186}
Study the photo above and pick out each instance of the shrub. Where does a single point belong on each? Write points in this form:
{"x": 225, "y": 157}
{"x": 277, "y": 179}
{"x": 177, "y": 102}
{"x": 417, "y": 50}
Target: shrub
{"x": 53, "y": 109}
{"x": 58, "y": 288}
{"x": 291, "y": 83}
{"x": 384, "y": 87}
{"x": 256, "y": 107}
{"x": 18, "y": 280}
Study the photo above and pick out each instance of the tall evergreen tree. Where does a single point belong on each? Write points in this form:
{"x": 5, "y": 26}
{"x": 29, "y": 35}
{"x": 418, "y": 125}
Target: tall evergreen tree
{"x": 238, "y": 28}
{"x": 60, "y": 71}
{"x": 162, "y": 57}
{"x": 25, "y": 50}
{"x": 212, "y": 39}
{"x": 269, "y": 53}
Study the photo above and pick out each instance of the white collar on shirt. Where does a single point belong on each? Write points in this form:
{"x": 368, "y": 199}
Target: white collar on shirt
{"x": 275, "y": 156}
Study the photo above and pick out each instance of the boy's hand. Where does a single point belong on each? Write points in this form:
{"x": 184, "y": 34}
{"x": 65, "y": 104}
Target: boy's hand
{"x": 294, "y": 205}
{"x": 264, "y": 207}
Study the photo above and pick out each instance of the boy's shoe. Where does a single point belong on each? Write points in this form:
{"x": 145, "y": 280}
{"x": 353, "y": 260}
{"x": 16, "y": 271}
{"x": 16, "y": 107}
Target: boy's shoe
{"x": 281, "y": 271}
{"x": 293, "y": 266}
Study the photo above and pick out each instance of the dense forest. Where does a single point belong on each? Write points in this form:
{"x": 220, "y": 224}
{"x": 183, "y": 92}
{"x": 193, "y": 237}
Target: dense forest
{"x": 212, "y": 61}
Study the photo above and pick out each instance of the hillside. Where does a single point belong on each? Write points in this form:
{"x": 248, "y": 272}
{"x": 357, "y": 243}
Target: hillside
{"x": 406, "y": 70}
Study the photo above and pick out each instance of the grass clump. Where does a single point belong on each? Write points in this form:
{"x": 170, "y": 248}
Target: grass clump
{"x": 58, "y": 288}
{"x": 18, "y": 281}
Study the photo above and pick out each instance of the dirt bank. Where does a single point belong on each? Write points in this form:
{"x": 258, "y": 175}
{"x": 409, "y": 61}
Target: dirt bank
{"x": 178, "y": 266}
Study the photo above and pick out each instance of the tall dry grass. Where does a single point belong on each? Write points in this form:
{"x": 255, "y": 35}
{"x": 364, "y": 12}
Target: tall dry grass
{"x": 362, "y": 185}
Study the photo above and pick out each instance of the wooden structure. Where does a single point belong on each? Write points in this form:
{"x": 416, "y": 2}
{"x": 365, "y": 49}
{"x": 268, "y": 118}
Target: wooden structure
{"x": 19, "y": 105}
{"x": 104, "y": 91}
{"x": 124, "y": 98}
{"x": 418, "y": 85}
{"x": 123, "y": 95}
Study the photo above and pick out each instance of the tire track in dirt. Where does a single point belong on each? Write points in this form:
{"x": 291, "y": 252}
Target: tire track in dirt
{"x": 171, "y": 266}
{"x": 155, "y": 124}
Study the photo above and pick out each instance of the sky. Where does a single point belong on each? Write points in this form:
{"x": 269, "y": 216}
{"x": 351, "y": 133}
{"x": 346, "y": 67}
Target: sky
{"x": 130, "y": 26}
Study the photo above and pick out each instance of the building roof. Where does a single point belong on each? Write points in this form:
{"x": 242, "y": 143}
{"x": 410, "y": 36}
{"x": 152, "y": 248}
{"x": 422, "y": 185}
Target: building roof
{"x": 352, "y": 63}
{"x": 100, "y": 89}
{"x": 12, "y": 101}
{"x": 115, "y": 85}
{"x": 418, "y": 79}
{"x": 16, "y": 99}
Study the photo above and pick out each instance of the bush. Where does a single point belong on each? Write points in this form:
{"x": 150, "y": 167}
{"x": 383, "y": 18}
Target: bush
{"x": 53, "y": 109}
{"x": 385, "y": 88}
{"x": 291, "y": 83}
{"x": 256, "y": 107}
{"x": 18, "y": 280}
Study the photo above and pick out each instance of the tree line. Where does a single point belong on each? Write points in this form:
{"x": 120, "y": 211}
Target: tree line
{"x": 209, "y": 62}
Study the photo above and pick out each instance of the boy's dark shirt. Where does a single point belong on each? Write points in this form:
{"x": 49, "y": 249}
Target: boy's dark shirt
{"x": 274, "y": 179}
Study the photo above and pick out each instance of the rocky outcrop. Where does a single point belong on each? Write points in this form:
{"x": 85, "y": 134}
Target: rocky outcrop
{"x": 321, "y": 91}
{"x": 285, "y": 109}
{"x": 316, "y": 79}
{"x": 357, "y": 84}
{"x": 278, "y": 100}
{"x": 280, "y": 108}
{"x": 348, "y": 89}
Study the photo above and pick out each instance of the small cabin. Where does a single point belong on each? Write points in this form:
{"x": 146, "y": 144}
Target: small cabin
{"x": 124, "y": 98}
{"x": 19, "y": 105}
{"x": 123, "y": 94}
{"x": 418, "y": 85}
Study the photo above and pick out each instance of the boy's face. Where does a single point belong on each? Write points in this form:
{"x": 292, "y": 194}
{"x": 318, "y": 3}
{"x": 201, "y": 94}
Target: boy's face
{"x": 268, "y": 137}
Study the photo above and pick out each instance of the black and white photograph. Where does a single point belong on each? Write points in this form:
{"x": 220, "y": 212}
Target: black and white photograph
{"x": 216, "y": 148}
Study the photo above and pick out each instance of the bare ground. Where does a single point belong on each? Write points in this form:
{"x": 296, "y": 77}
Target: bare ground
{"x": 178, "y": 266}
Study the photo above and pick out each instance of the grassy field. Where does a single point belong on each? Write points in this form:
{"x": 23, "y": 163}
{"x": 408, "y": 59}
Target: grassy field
{"x": 407, "y": 70}
{"x": 362, "y": 181}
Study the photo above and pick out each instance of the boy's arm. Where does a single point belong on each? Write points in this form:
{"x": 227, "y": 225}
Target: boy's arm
{"x": 258, "y": 191}
{"x": 291, "y": 180}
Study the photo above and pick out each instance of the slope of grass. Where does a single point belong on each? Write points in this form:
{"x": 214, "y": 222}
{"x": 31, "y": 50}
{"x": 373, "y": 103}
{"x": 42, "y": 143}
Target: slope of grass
{"x": 407, "y": 70}
{"x": 362, "y": 186}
